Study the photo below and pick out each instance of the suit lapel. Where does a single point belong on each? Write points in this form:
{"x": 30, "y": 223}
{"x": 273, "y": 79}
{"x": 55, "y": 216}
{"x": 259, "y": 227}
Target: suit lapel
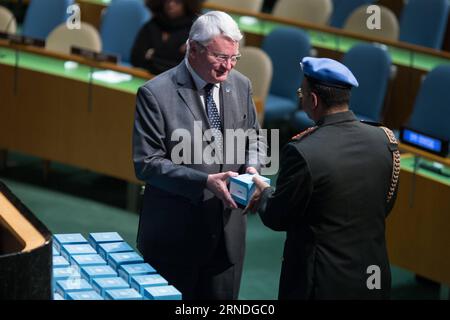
{"x": 188, "y": 93}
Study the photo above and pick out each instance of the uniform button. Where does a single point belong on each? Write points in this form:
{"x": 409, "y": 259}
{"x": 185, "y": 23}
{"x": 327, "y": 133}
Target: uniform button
{"x": 213, "y": 236}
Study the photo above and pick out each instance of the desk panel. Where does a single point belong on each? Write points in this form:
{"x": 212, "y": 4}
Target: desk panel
{"x": 417, "y": 229}
{"x": 59, "y": 116}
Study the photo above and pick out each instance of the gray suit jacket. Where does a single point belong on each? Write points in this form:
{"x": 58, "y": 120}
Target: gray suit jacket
{"x": 181, "y": 221}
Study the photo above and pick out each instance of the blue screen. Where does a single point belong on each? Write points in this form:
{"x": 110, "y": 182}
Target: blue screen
{"x": 422, "y": 140}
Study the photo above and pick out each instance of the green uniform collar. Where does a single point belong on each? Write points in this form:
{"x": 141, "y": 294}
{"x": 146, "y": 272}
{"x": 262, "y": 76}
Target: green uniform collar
{"x": 344, "y": 116}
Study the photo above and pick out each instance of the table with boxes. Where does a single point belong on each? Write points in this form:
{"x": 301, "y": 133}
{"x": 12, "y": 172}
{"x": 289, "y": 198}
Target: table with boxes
{"x": 104, "y": 267}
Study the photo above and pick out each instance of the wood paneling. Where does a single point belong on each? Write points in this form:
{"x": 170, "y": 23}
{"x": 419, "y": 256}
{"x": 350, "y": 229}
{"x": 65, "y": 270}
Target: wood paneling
{"x": 50, "y": 117}
{"x": 417, "y": 229}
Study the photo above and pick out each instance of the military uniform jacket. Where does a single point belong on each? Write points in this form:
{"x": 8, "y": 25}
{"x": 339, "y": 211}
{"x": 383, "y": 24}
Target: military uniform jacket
{"x": 331, "y": 198}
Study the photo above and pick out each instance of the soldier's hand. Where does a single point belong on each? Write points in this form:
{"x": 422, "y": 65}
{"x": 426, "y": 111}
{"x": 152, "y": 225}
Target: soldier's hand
{"x": 260, "y": 186}
{"x": 251, "y": 170}
{"x": 217, "y": 184}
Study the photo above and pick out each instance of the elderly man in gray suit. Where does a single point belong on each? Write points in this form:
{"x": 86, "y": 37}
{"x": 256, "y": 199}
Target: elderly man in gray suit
{"x": 190, "y": 228}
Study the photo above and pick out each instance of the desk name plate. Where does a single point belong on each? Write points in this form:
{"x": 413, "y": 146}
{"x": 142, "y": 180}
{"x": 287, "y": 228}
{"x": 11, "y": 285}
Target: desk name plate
{"x": 23, "y": 40}
{"x": 92, "y": 55}
{"x": 424, "y": 141}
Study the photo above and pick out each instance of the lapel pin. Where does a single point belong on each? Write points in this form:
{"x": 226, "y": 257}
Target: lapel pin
{"x": 227, "y": 90}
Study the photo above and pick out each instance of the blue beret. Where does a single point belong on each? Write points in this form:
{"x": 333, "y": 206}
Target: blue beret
{"x": 328, "y": 72}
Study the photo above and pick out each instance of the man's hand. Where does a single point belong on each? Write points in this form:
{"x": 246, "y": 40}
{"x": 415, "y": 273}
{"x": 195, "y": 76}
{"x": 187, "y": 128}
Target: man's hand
{"x": 217, "y": 184}
{"x": 260, "y": 186}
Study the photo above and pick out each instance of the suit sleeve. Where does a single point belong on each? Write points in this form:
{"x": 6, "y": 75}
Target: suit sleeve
{"x": 256, "y": 152}
{"x": 281, "y": 207}
{"x": 150, "y": 155}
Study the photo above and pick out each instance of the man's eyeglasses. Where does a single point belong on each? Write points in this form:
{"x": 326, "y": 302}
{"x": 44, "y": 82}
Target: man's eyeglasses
{"x": 222, "y": 58}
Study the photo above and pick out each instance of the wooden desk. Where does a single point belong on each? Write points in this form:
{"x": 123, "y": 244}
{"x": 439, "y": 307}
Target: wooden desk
{"x": 417, "y": 229}
{"x": 55, "y": 114}
{"x": 424, "y": 154}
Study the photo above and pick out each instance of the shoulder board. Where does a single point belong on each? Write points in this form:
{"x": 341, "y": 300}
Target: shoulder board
{"x": 390, "y": 135}
{"x": 304, "y": 133}
{"x": 371, "y": 123}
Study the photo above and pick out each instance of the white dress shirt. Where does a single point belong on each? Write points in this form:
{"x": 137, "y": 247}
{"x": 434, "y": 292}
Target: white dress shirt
{"x": 200, "y": 84}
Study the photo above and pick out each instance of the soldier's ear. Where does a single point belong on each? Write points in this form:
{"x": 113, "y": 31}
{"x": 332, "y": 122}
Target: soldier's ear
{"x": 315, "y": 100}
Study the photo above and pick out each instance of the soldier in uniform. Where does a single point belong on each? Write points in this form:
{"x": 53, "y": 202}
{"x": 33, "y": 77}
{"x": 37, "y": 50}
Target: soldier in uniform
{"x": 337, "y": 184}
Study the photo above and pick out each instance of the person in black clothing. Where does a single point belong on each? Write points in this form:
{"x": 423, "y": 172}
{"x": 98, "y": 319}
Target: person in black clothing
{"x": 161, "y": 43}
{"x": 337, "y": 183}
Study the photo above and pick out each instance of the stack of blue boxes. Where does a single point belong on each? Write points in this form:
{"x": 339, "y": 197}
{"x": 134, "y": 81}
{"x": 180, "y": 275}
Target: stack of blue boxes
{"x": 104, "y": 267}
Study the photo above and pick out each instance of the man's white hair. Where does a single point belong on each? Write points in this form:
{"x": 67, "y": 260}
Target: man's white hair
{"x": 213, "y": 24}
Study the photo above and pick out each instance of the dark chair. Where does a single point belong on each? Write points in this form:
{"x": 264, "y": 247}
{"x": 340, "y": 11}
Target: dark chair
{"x": 431, "y": 112}
{"x": 43, "y": 16}
{"x": 367, "y": 100}
{"x": 120, "y": 25}
{"x": 423, "y": 22}
{"x": 282, "y": 100}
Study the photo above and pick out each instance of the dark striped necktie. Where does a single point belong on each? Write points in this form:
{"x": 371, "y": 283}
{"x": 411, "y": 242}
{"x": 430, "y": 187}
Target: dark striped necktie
{"x": 213, "y": 116}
